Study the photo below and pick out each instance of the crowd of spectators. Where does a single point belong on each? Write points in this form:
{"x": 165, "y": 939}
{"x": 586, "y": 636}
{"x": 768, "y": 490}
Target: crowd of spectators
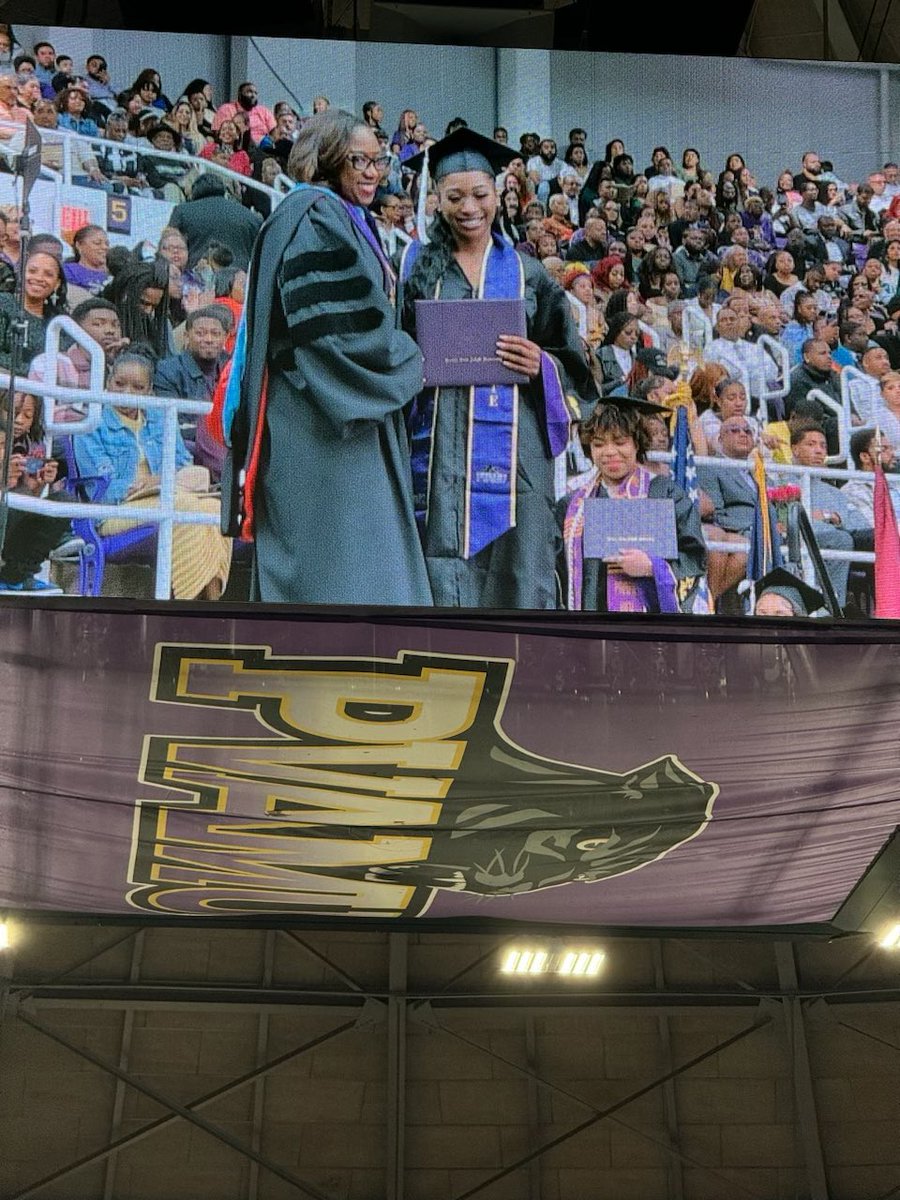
{"x": 683, "y": 281}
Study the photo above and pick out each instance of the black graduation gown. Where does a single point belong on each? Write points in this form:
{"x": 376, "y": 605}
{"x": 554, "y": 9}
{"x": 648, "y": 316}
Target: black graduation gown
{"x": 517, "y": 570}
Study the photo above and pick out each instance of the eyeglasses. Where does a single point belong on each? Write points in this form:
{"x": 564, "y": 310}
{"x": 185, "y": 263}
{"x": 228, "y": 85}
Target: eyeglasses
{"x": 362, "y": 162}
{"x": 736, "y": 429}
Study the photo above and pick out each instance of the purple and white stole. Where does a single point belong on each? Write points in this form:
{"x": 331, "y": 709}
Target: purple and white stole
{"x": 493, "y": 419}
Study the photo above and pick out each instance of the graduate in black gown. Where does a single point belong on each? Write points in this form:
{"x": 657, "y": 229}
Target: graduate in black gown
{"x": 328, "y": 496}
{"x": 483, "y": 457}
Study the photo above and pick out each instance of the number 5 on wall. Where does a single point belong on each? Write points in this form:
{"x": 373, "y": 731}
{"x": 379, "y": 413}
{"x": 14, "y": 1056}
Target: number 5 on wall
{"x": 118, "y": 214}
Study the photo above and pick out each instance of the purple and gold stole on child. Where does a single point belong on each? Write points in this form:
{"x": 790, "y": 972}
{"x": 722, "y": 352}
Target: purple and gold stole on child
{"x": 493, "y": 419}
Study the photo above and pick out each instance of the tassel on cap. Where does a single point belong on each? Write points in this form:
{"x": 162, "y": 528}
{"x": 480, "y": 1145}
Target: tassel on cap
{"x": 421, "y": 214}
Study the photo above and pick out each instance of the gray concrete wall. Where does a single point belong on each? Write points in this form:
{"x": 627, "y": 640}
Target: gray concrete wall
{"x": 770, "y": 111}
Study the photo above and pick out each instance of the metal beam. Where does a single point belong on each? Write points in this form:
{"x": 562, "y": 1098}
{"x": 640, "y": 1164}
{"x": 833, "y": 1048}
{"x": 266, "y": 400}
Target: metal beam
{"x": 541, "y": 1081}
{"x": 176, "y": 1111}
{"x": 396, "y": 1067}
{"x": 570, "y": 997}
{"x": 605, "y": 1113}
{"x": 22, "y": 992}
{"x": 715, "y": 966}
{"x": 873, "y": 1037}
{"x": 836, "y": 31}
{"x": 664, "y": 1144}
{"x": 352, "y": 983}
{"x": 109, "y": 1183}
{"x": 254, "y": 1000}
{"x": 884, "y": 115}
{"x": 804, "y": 1095}
{"x": 494, "y": 951}
{"x": 670, "y": 1108}
{"x": 259, "y": 1084}
{"x": 534, "y": 1107}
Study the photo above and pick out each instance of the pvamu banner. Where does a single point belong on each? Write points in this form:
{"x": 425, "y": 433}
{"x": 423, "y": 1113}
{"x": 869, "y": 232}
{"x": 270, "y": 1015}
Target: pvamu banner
{"x": 176, "y": 765}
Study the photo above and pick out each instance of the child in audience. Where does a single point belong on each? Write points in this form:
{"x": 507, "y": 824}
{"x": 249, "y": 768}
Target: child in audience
{"x": 127, "y": 446}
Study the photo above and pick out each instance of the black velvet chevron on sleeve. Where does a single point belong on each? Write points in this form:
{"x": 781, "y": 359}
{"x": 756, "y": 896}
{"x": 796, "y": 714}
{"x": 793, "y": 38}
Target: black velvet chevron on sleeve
{"x": 325, "y": 291}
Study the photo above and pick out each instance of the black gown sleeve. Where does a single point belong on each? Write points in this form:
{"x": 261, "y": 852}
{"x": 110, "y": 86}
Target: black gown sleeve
{"x": 553, "y": 328}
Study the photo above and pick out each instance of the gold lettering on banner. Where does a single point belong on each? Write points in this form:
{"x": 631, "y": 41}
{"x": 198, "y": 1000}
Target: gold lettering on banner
{"x": 360, "y": 787}
{"x": 261, "y": 824}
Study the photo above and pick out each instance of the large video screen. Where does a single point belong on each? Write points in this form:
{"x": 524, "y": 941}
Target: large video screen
{"x": 339, "y": 323}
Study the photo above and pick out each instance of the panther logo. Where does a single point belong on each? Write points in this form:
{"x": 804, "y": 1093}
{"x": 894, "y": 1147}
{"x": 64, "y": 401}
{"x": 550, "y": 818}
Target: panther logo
{"x": 386, "y": 779}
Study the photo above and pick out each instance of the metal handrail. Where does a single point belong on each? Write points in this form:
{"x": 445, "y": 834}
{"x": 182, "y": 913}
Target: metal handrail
{"x": 693, "y": 315}
{"x": 166, "y": 515}
{"x": 843, "y": 414}
{"x": 805, "y": 474}
{"x": 67, "y": 137}
{"x": 58, "y": 326}
{"x": 848, "y": 374}
{"x": 779, "y": 352}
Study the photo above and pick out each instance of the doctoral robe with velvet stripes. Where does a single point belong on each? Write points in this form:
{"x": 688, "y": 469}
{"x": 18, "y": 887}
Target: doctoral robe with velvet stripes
{"x": 334, "y": 512}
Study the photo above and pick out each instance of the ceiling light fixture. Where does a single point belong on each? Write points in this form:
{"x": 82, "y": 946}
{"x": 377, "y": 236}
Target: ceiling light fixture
{"x": 573, "y": 962}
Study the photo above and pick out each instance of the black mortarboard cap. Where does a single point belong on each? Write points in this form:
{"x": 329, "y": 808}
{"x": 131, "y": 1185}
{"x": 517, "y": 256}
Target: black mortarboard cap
{"x": 463, "y": 150}
{"x": 646, "y": 408}
{"x": 802, "y": 598}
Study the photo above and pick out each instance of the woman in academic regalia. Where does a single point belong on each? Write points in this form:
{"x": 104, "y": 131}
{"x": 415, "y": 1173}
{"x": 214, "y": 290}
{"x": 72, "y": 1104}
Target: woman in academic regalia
{"x": 483, "y": 466}
{"x": 328, "y": 495}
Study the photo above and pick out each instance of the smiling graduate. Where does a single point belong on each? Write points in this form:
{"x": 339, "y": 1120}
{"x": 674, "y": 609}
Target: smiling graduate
{"x": 483, "y": 456}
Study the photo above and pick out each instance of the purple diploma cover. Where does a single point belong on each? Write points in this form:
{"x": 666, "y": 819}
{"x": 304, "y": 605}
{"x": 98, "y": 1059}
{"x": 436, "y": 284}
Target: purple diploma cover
{"x": 458, "y": 340}
{"x": 611, "y": 526}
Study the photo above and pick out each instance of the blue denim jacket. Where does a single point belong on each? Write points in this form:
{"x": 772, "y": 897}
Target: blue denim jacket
{"x": 114, "y": 450}
{"x": 83, "y": 125}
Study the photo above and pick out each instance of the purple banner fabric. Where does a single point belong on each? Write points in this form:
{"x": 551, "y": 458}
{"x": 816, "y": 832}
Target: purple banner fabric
{"x": 220, "y": 766}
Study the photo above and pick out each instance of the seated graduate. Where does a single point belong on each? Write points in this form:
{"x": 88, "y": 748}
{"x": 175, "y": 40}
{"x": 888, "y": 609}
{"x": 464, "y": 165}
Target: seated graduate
{"x": 782, "y": 594}
{"x": 631, "y": 581}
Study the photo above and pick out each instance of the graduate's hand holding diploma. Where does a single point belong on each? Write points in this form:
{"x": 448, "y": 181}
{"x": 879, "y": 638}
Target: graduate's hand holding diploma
{"x": 519, "y": 354}
{"x": 631, "y": 562}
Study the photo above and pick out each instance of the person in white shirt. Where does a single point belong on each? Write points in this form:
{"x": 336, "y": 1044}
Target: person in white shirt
{"x": 741, "y": 358}
{"x": 880, "y": 200}
{"x": 865, "y": 392}
{"x": 570, "y": 186}
{"x": 806, "y": 214}
{"x": 860, "y": 493}
{"x": 390, "y": 220}
{"x": 891, "y": 179}
{"x": 544, "y": 168}
{"x": 665, "y": 179}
